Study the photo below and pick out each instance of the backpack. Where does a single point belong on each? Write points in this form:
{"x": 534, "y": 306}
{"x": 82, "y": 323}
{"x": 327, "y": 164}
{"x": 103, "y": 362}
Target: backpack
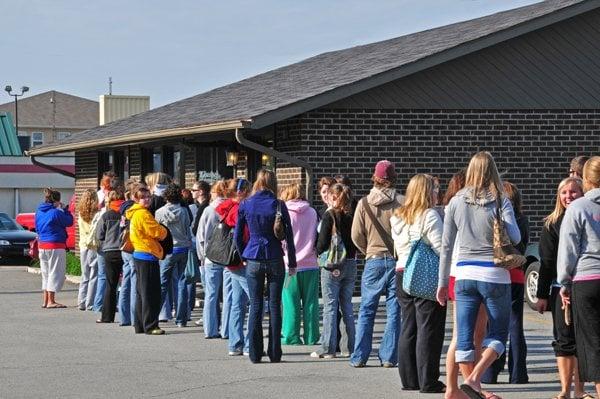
{"x": 220, "y": 247}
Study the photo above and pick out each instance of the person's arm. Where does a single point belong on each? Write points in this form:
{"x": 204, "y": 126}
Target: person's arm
{"x": 324, "y": 238}
{"x": 548, "y": 248}
{"x": 152, "y": 229}
{"x": 433, "y": 230}
{"x": 358, "y": 233}
{"x": 448, "y": 237}
{"x": 238, "y": 232}
{"x": 289, "y": 236}
{"x": 569, "y": 245}
{"x": 510, "y": 223}
{"x": 202, "y": 232}
{"x": 101, "y": 229}
{"x": 65, "y": 219}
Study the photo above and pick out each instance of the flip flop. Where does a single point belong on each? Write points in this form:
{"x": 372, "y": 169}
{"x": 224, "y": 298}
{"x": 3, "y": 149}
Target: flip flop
{"x": 56, "y": 306}
{"x": 586, "y": 396}
{"x": 471, "y": 392}
{"x": 491, "y": 395}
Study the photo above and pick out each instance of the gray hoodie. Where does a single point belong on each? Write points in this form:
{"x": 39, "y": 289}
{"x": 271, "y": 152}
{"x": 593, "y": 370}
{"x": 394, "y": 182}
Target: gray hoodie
{"x": 471, "y": 221}
{"x": 177, "y": 220}
{"x": 579, "y": 242}
{"x": 208, "y": 221}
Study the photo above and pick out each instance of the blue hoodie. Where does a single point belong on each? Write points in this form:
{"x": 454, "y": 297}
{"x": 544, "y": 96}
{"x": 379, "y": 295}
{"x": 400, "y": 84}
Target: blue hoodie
{"x": 51, "y": 222}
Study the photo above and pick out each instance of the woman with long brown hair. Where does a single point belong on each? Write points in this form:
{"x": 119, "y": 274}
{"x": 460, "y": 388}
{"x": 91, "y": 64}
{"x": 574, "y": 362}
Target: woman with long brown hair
{"x": 87, "y": 208}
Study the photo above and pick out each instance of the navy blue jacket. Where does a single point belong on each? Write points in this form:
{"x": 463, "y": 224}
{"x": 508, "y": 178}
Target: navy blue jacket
{"x": 51, "y": 223}
{"x": 258, "y": 212}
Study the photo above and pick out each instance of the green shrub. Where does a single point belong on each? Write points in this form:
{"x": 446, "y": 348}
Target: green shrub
{"x": 73, "y": 264}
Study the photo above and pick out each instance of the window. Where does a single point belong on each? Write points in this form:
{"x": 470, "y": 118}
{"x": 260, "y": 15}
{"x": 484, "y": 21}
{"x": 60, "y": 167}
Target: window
{"x": 62, "y": 135}
{"x": 37, "y": 138}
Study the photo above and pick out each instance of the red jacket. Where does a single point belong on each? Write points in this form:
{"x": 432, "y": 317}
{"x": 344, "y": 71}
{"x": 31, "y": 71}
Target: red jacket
{"x": 228, "y": 211}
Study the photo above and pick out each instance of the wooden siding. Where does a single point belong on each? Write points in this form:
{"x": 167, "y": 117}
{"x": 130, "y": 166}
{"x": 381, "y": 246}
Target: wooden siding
{"x": 135, "y": 162}
{"x": 189, "y": 165}
{"x": 557, "y": 67}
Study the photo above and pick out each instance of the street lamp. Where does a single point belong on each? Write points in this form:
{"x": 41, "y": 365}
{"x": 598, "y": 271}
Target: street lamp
{"x": 24, "y": 90}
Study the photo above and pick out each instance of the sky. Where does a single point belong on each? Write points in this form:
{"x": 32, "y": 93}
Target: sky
{"x": 170, "y": 50}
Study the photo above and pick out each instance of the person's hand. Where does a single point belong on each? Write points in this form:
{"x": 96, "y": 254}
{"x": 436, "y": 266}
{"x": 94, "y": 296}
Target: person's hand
{"x": 541, "y": 305}
{"x": 442, "y": 295}
{"x": 565, "y": 296}
{"x": 291, "y": 271}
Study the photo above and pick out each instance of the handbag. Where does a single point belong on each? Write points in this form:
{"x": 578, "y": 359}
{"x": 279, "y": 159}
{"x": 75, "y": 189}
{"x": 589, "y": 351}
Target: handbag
{"x": 220, "y": 247}
{"x": 278, "y": 224}
{"x": 506, "y": 255}
{"x": 192, "y": 268}
{"x": 126, "y": 245}
{"x": 421, "y": 271}
{"x": 333, "y": 259}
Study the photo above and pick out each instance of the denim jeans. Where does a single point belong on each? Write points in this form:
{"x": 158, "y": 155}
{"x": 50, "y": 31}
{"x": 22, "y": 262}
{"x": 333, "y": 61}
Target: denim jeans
{"x": 89, "y": 270}
{"x": 127, "y": 293}
{"x": 496, "y": 299}
{"x": 172, "y": 269}
{"x": 100, "y": 282}
{"x": 239, "y": 304}
{"x": 213, "y": 279}
{"x": 337, "y": 292}
{"x": 256, "y": 271}
{"x": 226, "y": 310}
{"x": 378, "y": 278}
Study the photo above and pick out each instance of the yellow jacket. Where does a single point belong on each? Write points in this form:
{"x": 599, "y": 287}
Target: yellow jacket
{"x": 144, "y": 231}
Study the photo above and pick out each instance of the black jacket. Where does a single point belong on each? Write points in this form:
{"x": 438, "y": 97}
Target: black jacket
{"x": 108, "y": 231}
{"x": 548, "y": 254}
{"x": 523, "y": 223}
{"x": 200, "y": 206}
{"x": 343, "y": 222}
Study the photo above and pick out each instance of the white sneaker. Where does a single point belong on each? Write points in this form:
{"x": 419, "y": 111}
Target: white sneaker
{"x": 237, "y": 352}
{"x": 198, "y": 322}
{"x": 322, "y": 355}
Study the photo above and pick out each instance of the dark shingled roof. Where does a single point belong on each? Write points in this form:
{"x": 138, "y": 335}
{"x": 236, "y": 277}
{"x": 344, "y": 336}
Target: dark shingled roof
{"x": 333, "y": 72}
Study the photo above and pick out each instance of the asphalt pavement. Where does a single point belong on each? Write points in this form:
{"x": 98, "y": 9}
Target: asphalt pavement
{"x": 63, "y": 353}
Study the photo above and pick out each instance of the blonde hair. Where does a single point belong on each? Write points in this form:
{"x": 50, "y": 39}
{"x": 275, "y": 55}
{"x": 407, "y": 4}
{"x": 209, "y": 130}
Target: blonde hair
{"x": 88, "y": 205}
{"x": 219, "y": 188}
{"x": 265, "y": 180}
{"x": 292, "y": 191}
{"x": 418, "y": 198}
{"x": 155, "y": 178}
{"x": 559, "y": 209}
{"x": 591, "y": 174}
{"x": 482, "y": 175}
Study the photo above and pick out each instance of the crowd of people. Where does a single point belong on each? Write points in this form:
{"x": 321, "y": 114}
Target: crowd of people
{"x": 260, "y": 248}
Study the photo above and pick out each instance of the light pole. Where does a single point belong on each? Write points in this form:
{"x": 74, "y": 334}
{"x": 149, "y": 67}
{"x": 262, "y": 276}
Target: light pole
{"x": 24, "y": 90}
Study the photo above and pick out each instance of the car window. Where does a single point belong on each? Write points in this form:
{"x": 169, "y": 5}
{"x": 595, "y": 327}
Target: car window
{"x": 7, "y": 223}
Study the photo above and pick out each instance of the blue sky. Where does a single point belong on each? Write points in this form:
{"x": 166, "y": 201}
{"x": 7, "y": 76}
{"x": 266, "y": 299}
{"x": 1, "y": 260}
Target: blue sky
{"x": 175, "y": 49}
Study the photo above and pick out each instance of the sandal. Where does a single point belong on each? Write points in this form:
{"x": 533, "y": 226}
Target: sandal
{"x": 471, "y": 392}
{"x": 56, "y": 306}
{"x": 491, "y": 395}
{"x": 560, "y": 397}
{"x": 585, "y": 396}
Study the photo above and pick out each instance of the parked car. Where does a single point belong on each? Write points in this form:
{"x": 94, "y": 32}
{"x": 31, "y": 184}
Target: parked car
{"x": 14, "y": 239}
{"x": 532, "y": 273}
{"x": 27, "y": 220}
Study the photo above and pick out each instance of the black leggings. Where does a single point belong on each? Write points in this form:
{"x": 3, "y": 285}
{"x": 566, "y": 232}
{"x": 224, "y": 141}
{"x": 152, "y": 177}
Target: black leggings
{"x": 113, "y": 268}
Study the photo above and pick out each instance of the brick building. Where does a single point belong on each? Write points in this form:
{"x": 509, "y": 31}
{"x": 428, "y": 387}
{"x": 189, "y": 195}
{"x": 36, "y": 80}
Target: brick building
{"x": 523, "y": 84}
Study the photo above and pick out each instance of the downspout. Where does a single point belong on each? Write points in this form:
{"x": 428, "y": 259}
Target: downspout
{"x": 239, "y": 136}
{"x": 51, "y": 167}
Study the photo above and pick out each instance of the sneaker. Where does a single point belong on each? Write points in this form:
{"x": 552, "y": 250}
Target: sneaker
{"x": 237, "y": 352}
{"x": 198, "y": 322}
{"x": 343, "y": 354}
{"x": 181, "y": 325}
{"x": 246, "y": 353}
{"x": 156, "y": 331}
{"x": 322, "y": 355}
{"x": 82, "y": 307}
{"x": 358, "y": 365}
{"x": 387, "y": 365}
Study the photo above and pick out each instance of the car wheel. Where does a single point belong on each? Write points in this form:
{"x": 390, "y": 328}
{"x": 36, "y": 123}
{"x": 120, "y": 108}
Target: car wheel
{"x": 531, "y": 283}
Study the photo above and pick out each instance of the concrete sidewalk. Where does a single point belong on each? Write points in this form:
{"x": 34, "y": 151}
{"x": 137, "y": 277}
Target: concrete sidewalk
{"x": 63, "y": 353}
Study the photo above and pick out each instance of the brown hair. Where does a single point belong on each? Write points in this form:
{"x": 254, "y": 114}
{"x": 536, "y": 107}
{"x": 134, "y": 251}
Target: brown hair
{"x": 456, "y": 183}
{"x": 105, "y": 182}
{"x": 292, "y": 192}
{"x": 51, "y": 195}
{"x": 220, "y": 188}
{"x": 577, "y": 165}
{"x": 343, "y": 195}
{"x": 186, "y": 196}
{"x": 88, "y": 205}
{"x": 378, "y": 182}
{"x": 265, "y": 180}
{"x": 418, "y": 198}
{"x": 514, "y": 195}
{"x": 115, "y": 195}
{"x": 591, "y": 173}
{"x": 129, "y": 185}
{"x": 345, "y": 180}
{"x": 138, "y": 192}
{"x": 326, "y": 181}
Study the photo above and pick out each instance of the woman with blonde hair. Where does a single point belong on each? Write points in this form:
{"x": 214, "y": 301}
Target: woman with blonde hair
{"x": 264, "y": 259}
{"x": 579, "y": 271}
{"x": 422, "y": 336}
{"x": 301, "y": 291}
{"x": 548, "y": 289}
{"x": 470, "y": 219}
{"x": 87, "y": 208}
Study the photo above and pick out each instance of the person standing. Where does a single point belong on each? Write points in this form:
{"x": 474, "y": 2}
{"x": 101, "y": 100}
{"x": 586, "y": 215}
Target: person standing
{"x": 127, "y": 293}
{"x": 200, "y": 195}
{"x": 337, "y": 284}
{"x": 51, "y": 221}
{"x": 177, "y": 219}
{"x": 262, "y": 212}
{"x": 576, "y": 166}
{"x": 145, "y": 234}
{"x": 87, "y": 208}
{"x": 548, "y": 289}
{"x": 301, "y": 291}
{"x": 108, "y": 234}
{"x": 578, "y": 272}
{"x": 371, "y": 233}
{"x": 423, "y": 320}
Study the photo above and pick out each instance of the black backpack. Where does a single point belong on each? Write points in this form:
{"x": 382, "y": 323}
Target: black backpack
{"x": 220, "y": 247}
{"x": 166, "y": 243}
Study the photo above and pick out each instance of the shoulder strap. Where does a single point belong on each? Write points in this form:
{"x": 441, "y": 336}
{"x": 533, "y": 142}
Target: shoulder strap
{"x": 380, "y": 229}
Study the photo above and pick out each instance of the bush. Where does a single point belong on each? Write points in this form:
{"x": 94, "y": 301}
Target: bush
{"x": 73, "y": 264}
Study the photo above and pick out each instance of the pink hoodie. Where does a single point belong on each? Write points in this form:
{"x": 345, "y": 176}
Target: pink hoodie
{"x": 304, "y": 225}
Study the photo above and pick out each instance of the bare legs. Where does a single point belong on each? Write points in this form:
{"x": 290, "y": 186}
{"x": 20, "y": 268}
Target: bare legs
{"x": 568, "y": 372}
{"x": 49, "y": 300}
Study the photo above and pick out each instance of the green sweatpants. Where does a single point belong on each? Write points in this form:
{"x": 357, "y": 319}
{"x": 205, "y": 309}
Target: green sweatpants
{"x": 301, "y": 288}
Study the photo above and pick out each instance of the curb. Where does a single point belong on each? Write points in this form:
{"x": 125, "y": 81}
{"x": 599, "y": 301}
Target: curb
{"x": 69, "y": 278}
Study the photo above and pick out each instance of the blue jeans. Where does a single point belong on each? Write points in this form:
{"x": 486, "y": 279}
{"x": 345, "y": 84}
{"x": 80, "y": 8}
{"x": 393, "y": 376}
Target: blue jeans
{"x": 239, "y": 305}
{"x": 127, "y": 293}
{"x": 496, "y": 299}
{"x": 213, "y": 279}
{"x": 256, "y": 271}
{"x": 225, "y": 312}
{"x": 337, "y": 292}
{"x": 100, "y": 282}
{"x": 172, "y": 269}
{"x": 378, "y": 278}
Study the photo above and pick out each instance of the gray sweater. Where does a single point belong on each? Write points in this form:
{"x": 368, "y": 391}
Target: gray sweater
{"x": 177, "y": 220}
{"x": 471, "y": 221}
{"x": 579, "y": 242}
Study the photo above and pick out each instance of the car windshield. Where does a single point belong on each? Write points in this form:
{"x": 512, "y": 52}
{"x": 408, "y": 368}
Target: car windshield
{"x": 7, "y": 224}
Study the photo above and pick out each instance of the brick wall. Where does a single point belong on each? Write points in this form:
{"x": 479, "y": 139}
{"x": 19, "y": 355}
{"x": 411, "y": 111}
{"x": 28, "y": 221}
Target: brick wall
{"x": 532, "y": 147}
